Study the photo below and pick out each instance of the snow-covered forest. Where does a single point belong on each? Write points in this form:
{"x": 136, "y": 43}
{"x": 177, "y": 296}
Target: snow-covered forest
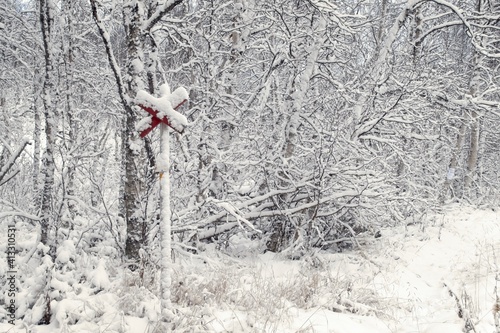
{"x": 310, "y": 142}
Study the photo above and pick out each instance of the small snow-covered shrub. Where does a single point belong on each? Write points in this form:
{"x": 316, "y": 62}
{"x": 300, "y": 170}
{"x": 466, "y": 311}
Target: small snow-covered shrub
{"x": 99, "y": 278}
{"x": 140, "y": 302}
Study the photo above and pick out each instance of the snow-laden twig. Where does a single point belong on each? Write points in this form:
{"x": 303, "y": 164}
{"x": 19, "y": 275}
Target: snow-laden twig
{"x": 158, "y": 15}
{"x": 19, "y": 213}
{"x": 16, "y": 211}
{"x": 10, "y": 162}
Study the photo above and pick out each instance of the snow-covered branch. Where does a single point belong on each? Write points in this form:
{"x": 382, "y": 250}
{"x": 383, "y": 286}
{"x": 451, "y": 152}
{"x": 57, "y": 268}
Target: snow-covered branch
{"x": 437, "y": 28}
{"x": 19, "y": 213}
{"x": 10, "y": 162}
{"x": 16, "y": 211}
{"x": 110, "y": 54}
{"x": 168, "y": 6}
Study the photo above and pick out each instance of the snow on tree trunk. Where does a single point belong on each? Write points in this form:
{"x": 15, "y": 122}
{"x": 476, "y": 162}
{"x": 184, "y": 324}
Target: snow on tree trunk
{"x": 132, "y": 153}
{"x": 377, "y": 73}
{"x": 473, "y": 153}
{"x": 69, "y": 116}
{"x": 474, "y": 120}
{"x": 301, "y": 86}
{"x": 47, "y": 167}
{"x": 294, "y": 106}
{"x": 37, "y": 132}
{"x": 450, "y": 175}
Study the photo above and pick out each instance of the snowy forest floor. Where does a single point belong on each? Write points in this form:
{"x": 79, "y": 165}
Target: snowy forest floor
{"x": 439, "y": 276}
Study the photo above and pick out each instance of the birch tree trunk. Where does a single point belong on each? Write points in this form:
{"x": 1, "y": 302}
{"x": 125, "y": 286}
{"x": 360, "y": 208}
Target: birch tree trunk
{"x": 293, "y": 106}
{"x": 130, "y": 185}
{"x": 471, "y": 164}
{"x": 133, "y": 183}
{"x": 47, "y": 167}
{"x": 69, "y": 135}
{"x": 300, "y": 88}
{"x": 37, "y": 132}
{"x": 450, "y": 175}
{"x": 474, "y": 121}
{"x": 377, "y": 74}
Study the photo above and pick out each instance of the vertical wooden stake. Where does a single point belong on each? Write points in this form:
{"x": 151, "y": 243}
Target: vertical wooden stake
{"x": 165, "y": 226}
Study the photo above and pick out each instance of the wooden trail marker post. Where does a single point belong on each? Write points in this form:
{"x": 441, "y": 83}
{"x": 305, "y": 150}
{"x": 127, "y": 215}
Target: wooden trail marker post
{"x": 163, "y": 111}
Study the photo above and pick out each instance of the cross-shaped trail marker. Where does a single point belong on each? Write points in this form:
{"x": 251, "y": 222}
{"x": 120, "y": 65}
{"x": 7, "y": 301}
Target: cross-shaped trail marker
{"x": 163, "y": 112}
{"x": 155, "y": 121}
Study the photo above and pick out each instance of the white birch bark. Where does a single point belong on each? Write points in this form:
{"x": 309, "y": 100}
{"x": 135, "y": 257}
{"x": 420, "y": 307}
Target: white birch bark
{"x": 450, "y": 175}
{"x": 301, "y": 86}
{"x": 474, "y": 121}
{"x": 473, "y": 156}
{"x": 293, "y": 106}
{"x": 70, "y": 138}
{"x": 47, "y": 166}
{"x": 36, "y": 145}
{"x": 378, "y": 72}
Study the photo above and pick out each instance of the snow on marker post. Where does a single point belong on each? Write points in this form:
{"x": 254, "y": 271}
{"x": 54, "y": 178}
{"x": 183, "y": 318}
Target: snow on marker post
{"x": 163, "y": 112}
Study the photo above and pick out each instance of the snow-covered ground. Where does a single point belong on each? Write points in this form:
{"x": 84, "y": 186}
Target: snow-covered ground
{"x": 443, "y": 278}
{"x": 439, "y": 276}
{"x": 436, "y": 277}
